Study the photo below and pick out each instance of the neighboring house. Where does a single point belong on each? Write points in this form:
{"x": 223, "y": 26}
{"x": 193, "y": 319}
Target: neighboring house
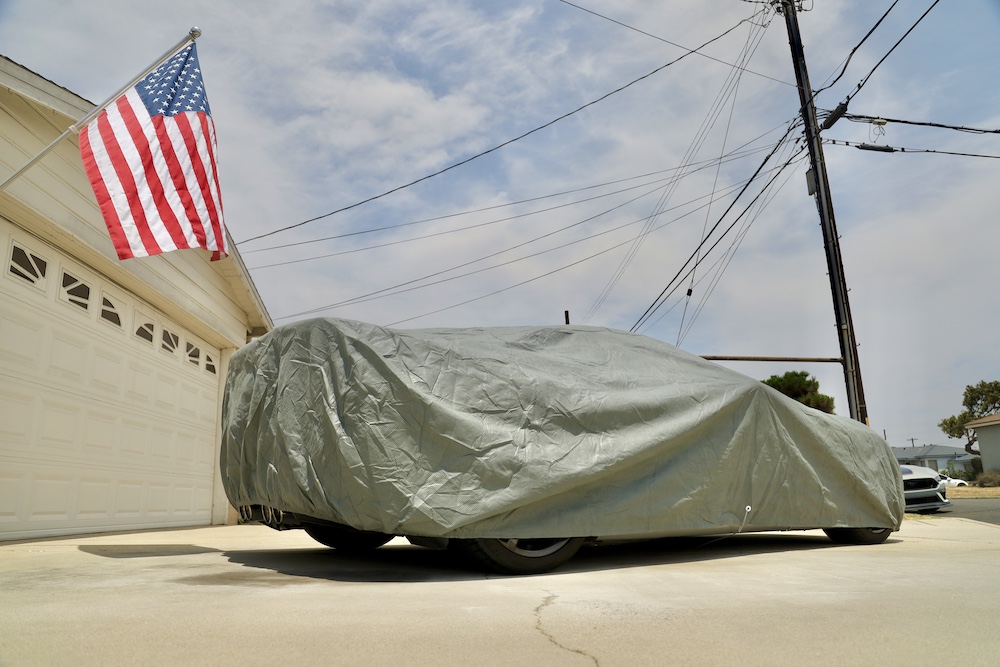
{"x": 935, "y": 457}
{"x": 111, "y": 372}
{"x": 988, "y": 435}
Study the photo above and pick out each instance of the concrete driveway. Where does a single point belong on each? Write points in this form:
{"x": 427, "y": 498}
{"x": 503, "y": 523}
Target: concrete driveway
{"x": 246, "y": 595}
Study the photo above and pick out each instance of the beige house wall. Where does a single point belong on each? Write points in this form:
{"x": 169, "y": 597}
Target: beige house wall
{"x": 989, "y": 444}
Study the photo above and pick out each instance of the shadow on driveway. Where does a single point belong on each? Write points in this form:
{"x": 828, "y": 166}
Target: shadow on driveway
{"x": 397, "y": 563}
{"x": 144, "y": 550}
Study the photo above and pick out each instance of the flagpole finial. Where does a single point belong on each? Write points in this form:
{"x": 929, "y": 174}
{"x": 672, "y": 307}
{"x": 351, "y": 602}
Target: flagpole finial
{"x": 195, "y": 32}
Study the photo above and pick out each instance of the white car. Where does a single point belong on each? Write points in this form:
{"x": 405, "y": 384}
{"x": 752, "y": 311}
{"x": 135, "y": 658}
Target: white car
{"x": 923, "y": 489}
{"x": 951, "y": 481}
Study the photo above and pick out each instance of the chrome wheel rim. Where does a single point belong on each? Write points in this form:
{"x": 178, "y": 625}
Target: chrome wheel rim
{"x": 533, "y": 548}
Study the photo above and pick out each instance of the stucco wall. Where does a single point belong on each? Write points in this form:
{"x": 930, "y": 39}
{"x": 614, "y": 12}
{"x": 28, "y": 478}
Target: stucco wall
{"x": 989, "y": 446}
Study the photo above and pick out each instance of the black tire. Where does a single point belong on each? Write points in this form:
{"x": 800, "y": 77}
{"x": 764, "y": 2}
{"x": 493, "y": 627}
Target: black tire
{"x": 518, "y": 556}
{"x": 345, "y": 538}
{"x": 858, "y": 535}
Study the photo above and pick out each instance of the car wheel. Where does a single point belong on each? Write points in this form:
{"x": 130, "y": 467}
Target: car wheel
{"x": 345, "y": 538}
{"x": 858, "y": 535}
{"x": 518, "y": 556}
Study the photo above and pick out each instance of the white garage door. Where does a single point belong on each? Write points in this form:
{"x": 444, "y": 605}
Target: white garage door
{"x": 107, "y": 410}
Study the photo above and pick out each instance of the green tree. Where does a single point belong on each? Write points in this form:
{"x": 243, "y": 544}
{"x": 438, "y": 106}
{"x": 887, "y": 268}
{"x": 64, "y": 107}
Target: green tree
{"x": 803, "y": 388}
{"x": 980, "y": 400}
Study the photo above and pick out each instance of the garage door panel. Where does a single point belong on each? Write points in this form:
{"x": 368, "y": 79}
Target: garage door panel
{"x": 108, "y": 371}
{"x": 185, "y": 448}
{"x": 51, "y": 497}
{"x": 95, "y": 495}
{"x": 185, "y": 497}
{"x": 166, "y": 392}
{"x": 202, "y": 497}
{"x": 158, "y": 500}
{"x": 13, "y": 487}
{"x": 190, "y": 400}
{"x": 20, "y": 339}
{"x": 128, "y": 501}
{"x": 162, "y": 444}
{"x": 139, "y": 383}
{"x": 205, "y": 455}
{"x": 208, "y": 407}
{"x": 59, "y": 427}
{"x": 135, "y": 440}
{"x": 18, "y": 414}
{"x": 100, "y": 433}
{"x": 67, "y": 358}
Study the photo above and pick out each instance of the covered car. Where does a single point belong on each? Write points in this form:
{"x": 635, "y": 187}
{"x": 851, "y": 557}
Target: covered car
{"x": 515, "y": 444}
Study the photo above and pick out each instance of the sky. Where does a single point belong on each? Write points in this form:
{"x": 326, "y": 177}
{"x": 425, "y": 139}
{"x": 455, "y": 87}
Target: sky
{"x": 587, "y": 161}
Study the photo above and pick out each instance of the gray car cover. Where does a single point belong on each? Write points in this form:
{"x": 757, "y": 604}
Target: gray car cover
{"x": 535, "y": 432}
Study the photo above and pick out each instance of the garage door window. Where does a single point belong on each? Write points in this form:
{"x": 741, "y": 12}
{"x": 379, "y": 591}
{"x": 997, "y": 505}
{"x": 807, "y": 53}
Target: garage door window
{"x": 27, "y": 266}
{"x": 171, "y": 342}
{"x": 109, "y": 312}
{"x": 144, "y": 330}
{"x": 193, "y": 354}
{"x": 75, "y": 291}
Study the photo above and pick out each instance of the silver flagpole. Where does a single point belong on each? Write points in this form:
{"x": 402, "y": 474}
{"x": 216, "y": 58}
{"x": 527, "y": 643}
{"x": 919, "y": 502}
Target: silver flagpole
{"x": 192, "y": 35}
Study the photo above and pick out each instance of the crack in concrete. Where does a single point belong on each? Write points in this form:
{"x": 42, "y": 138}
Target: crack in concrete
{"x": 549, "y": 600}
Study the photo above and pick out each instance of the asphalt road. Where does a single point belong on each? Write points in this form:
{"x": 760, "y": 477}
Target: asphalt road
{"x": 978, "y": 509}
{"x": 247, "y": 595}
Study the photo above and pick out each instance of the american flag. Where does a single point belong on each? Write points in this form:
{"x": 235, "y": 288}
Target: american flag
{"x": 150, "y": 157}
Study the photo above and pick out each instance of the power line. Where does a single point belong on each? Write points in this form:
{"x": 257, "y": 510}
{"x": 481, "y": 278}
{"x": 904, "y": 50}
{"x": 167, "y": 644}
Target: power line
{"x": 681, "y": 275}
{"x": 900, "y": 41}
{"x": 410, "y": 285}
{"x": 728, "y": 257}
{"x": 495, "y": 148}
{"x": 505, "y": 289}
{"x": 658, "y": 301}
{"x": 730, "y": 84}
{"x": 483, "y": 209}
{"x": 854, "y": 50}
{"x": 890, "y": 149}
{"x": 745, "y": 56}
{"x": 385, "y": 290}
{"x": 473, "y": 261}
{"x": 538, "y": 277}
{"x": 732, "y": 156}
{"x": 449, "y": 231}
{"x": 857, "y": 118}
{"x": 379, "y": 293}
{"x": 473, "y": 226}
{"x": 667, "y": 41}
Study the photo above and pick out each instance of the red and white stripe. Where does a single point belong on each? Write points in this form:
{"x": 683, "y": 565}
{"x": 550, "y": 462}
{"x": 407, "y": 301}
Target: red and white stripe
{"x": 155, "y": 179}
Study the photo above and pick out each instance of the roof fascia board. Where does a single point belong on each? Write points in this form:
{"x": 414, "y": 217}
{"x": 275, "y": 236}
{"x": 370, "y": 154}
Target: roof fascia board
{"x": 40, "y": 90}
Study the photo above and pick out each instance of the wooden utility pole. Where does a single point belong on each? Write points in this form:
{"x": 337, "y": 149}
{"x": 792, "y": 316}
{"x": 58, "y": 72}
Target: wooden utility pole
{"x": 841, "y": 305}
